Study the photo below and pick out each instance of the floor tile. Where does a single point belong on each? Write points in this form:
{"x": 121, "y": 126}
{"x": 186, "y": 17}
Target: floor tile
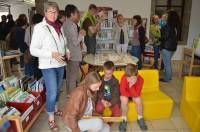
{"x": 166, "y": 130}
{"x": 184, "y": 130}
{"x": 176, "y": 111}
{"x": 165, "y": 124}
{"x": 179, "y": 122}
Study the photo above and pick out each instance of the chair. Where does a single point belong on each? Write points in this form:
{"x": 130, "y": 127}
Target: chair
{"x": 190, "y": 102}
{"x": 156, "y": 104}
{"x": 189, "y": 59}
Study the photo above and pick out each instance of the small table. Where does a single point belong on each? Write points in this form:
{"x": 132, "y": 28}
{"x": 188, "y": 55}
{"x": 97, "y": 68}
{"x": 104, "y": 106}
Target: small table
{"x": 119, "y": 60}
{"x": 5, "y": 64}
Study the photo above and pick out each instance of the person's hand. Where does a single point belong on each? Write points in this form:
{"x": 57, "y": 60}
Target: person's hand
{"x": 82, "y": 33}
{"x": 68, "y": 54}
{"x": 98, "y": 26}
{"x": 106, "y": 103}
{"x": 58, "y": 57}
{"x": 81, "y": 45}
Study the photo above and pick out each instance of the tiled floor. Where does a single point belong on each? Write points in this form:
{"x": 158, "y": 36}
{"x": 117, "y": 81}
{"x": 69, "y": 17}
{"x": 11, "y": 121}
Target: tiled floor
{"x": 173, "y": 124}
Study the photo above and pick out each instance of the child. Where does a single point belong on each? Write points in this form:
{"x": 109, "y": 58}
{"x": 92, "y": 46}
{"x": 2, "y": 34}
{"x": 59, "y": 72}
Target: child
{"x": 108, "y": 95}
{"x": 121, "y": 35}
{"x": 131, "y": 87}
{"x": 80, "y": 103}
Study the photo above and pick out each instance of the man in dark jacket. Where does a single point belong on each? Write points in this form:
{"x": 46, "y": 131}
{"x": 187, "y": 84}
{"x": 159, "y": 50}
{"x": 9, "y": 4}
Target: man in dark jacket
{"x": 108, "y": 95}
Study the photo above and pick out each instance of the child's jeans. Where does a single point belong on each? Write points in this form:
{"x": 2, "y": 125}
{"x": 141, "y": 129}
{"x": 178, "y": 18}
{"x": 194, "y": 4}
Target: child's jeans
{"x": 116, "y": 112}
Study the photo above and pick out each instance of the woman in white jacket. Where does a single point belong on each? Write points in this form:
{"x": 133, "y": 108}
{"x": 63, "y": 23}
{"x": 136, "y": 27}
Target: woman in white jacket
{"x": 49, "y": 45}
{"x": 121, "y": 35}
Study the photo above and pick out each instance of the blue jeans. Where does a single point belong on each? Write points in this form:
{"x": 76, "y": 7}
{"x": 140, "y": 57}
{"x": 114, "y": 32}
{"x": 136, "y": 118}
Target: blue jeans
{"x": 167, "y": 55}
{"x": 136, "y": 52}
{"x": 53, "y": 78}
{"x": 156, "y": 56}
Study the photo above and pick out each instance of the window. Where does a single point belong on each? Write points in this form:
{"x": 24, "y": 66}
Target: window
{"x": 162, "y": 6}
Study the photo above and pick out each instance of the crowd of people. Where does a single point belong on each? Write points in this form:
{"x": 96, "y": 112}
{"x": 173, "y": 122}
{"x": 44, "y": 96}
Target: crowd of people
{"x": 55, "y": 41}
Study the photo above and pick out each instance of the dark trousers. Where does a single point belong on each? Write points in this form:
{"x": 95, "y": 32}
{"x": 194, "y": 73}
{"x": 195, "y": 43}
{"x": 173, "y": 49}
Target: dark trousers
{"x": 90, "y": 42}
{"x": 156, "y": 55}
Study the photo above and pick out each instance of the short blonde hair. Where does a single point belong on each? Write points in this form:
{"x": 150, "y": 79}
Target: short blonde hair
{"x": 53, "y": 5}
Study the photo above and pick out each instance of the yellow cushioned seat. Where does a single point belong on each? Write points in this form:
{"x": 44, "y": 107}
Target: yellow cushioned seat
{"x": 156, "y": 104}
{"x": 190, "y": 102}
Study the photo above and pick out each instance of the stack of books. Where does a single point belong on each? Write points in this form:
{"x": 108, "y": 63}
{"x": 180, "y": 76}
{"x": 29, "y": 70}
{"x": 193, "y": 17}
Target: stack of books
{"x": 8, "y": 111}
{"x": 24, "y": 81}
{"x": 36, "y": 86}
{"x": 22, "y": 97}
{"x": 10, "y": 82}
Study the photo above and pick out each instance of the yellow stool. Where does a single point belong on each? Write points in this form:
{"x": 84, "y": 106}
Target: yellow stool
{"x": 190, "y": 102}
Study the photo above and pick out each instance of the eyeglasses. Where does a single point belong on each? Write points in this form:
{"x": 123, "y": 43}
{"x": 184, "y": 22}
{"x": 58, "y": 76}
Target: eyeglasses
{"x": 52, "y": 12}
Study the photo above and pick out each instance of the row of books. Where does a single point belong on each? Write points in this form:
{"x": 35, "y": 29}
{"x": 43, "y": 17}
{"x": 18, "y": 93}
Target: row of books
{"x": 105, "y": 35}
{"x": 107, "y": 23}
{"x": 9, "y": 111}
{"x": 14, "y": 90}
{"x": 25, "y": 83}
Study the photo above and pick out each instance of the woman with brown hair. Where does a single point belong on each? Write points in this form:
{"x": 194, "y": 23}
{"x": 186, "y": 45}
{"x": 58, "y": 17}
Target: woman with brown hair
{"x": 81, "y": 103}
{"x": 138, "y": 39}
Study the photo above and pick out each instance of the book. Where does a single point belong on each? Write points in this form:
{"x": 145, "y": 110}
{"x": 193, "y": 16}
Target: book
{"x": 11, "y": 82}
{"x": 24, "y": 82}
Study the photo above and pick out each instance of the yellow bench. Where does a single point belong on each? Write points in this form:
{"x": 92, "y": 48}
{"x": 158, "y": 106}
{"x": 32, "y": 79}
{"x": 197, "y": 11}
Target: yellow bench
{"x": 190, "y": 102}
{"x": 156, "y": 104}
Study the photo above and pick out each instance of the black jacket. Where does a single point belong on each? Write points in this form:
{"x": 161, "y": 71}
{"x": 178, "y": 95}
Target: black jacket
{"x": 169, "y": 38}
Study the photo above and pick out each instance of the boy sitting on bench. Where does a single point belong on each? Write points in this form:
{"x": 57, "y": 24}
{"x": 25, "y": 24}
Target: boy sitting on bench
{"x": 131, "y": 87}
{"x": 108, "y": 98}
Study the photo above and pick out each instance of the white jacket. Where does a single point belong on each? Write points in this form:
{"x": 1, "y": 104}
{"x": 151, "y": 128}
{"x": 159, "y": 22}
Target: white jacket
{"x": 43, "y": 44}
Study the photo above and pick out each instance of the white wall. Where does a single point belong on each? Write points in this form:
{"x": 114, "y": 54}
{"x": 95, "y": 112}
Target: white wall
{"x": 19, "y": 8}
{"x": 126, "y": 7}
{"x": 194, "y": 29}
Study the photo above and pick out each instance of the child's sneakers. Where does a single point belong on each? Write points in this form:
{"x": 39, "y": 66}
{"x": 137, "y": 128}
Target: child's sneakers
{"x": 142, "y": 124}
{"x": 122, "y": 126}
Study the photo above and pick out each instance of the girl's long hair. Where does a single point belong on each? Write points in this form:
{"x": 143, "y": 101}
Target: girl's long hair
{"x": 91, "y": 78}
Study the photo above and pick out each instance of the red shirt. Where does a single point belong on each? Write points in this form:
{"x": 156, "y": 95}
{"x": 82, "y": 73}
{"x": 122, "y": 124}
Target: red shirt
{"x": 134, "y": 90}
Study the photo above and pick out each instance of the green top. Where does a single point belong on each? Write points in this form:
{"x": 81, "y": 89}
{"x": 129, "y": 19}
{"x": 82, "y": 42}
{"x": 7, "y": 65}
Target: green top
{"x": 155, "y": 34}
{"x": 88, "y": 15}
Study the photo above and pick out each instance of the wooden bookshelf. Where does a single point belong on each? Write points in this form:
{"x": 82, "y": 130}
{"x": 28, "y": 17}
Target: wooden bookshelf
{"x": 18, "y": 122}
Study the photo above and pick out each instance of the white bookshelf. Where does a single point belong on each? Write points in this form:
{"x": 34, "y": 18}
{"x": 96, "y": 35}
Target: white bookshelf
{"x": 105, "y": 37}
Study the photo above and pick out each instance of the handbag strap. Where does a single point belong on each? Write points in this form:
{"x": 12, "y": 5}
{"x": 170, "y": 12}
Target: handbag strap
{"x": 55, "y": 39}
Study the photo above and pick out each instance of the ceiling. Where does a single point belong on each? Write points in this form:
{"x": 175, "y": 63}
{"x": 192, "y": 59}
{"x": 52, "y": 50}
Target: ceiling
{"x": 17, "y": 1}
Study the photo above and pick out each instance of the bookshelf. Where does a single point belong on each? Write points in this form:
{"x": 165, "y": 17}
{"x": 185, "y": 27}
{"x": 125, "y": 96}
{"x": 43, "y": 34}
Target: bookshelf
{"x": 105, "y": 37}
{"x": 21, "y": 102}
